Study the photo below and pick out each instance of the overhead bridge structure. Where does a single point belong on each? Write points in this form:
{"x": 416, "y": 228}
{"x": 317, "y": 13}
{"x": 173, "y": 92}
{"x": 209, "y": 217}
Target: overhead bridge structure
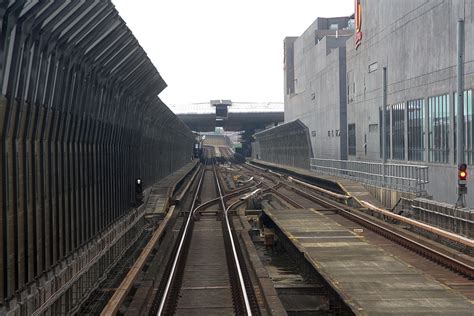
{"x": 80, "y": 121}
{"x": 232, "y": 116}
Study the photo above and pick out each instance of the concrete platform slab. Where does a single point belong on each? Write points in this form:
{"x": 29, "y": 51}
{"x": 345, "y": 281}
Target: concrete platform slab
{"x": 371, "y": 280}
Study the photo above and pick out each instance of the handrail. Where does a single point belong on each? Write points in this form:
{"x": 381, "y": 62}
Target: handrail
{"x": 370, "y": 162}
{"x": 403, "y": 177}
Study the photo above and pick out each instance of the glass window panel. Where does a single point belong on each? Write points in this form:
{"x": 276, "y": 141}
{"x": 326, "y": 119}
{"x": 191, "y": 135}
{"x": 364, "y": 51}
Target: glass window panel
{"x": 351, "y": 135}
{"x": 398, "y": 130}
{"x": 438, "y": 129}
{"x": 468, "y": 128}
{"x": 415, "y": 130}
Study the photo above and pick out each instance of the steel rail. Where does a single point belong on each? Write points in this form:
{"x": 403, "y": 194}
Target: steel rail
{"x": 228, "y": 196}
{"x": 286, "y": 198}
{"x": 180, "y": 247}
{"x": 443, "y": 259}
{"x": 194, "y": 210}
{"x": 234, "y": 250}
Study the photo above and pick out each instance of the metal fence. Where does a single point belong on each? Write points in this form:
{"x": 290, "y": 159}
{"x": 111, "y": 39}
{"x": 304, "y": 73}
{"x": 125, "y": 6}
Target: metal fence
{"x": 412, "y": 178}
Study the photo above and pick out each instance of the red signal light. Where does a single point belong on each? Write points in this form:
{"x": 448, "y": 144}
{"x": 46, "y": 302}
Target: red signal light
{"x": 462, "y": 172}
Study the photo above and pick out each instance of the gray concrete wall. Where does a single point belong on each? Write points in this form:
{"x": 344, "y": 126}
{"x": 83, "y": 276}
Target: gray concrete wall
{"x": 319, "y": 80}
{"x": 416, "y": 41}
{"x": 289, "y": 68}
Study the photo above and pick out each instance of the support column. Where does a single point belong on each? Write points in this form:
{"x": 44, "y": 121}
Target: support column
{"x": 384, "y": 124}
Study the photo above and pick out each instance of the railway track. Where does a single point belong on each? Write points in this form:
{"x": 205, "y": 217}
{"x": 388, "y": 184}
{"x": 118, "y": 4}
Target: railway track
{"x": 451, "y": 270}
{"x": 206, "y": 274}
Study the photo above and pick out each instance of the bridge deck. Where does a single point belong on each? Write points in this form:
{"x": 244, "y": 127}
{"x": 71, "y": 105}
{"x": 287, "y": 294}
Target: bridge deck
{"x": 370, "y": 280}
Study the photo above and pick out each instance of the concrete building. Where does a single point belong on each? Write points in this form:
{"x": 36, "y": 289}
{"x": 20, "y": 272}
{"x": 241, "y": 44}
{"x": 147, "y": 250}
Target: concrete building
{"x": 334, "y": 87}
{"x": 315, "y": 80}
{"x": 416, "y": 42}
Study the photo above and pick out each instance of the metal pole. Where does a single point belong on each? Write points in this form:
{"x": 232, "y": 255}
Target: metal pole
{"x": 460, "y": 105}
{"x": 384, "y": 124}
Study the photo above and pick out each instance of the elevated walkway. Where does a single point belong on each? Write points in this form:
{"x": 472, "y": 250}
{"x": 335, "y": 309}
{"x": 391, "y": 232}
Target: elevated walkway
{"x": 370, "y": 280}
{"x": 338, "y": 185}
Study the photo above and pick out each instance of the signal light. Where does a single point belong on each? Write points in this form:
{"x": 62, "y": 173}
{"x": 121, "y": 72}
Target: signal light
{"x": 462, "y": 172}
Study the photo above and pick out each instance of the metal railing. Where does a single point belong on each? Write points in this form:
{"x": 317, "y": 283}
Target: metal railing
{"x": 403, "y": 177}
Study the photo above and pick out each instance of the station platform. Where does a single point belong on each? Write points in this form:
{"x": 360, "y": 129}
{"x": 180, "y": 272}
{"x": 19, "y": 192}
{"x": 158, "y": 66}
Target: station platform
{"x": 369, "y": 279}
{"x": 344, "y": 186}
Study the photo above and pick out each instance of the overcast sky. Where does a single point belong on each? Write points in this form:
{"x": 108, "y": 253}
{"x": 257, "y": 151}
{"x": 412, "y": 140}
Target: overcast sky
{"x": 222, "y": 49}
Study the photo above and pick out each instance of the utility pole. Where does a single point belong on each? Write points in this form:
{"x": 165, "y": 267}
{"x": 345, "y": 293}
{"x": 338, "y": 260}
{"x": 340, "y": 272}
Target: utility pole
{"x": 462, "y": 189}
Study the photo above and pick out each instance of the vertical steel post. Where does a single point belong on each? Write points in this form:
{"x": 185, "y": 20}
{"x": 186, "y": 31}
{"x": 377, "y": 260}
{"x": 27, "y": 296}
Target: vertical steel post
{"x": 460, "y": 108}
{"x": 384, "y": 124}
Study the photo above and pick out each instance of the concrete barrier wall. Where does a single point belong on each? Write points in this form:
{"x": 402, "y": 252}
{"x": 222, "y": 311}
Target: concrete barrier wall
{"x": 80, "y": 121}
{"x": 287, "y": 144}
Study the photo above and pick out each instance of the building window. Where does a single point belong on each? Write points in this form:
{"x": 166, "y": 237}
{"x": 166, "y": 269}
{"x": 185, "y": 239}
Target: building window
{"x": 468, "y": 127}
{"x": 438, "y": 129}
{"x": 416, "y": 115}
{"x": 387, "y": 132}
{"x": 373, "y": 128}
{"x": 351, "y": 139}
{"x": 398, "y": 131}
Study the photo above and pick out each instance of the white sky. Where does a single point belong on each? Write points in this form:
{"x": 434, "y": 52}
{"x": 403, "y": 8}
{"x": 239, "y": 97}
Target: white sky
{"x": 227, "y": 49}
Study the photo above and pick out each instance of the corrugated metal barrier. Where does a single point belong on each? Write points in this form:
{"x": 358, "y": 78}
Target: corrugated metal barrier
{"x": 80, "y": 120}
{"x": 287, "y": 144}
